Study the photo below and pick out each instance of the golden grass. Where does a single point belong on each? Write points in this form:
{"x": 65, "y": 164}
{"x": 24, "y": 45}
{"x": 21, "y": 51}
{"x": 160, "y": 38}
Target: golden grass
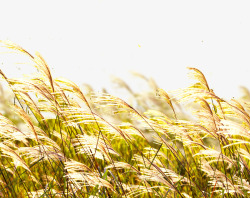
{"x": 59, "y": 142}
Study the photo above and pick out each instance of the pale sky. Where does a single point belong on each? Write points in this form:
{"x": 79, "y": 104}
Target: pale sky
{"x": 87, "y": 41}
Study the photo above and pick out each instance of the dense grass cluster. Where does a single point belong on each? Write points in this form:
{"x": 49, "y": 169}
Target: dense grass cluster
{"x": 57, "y": 141}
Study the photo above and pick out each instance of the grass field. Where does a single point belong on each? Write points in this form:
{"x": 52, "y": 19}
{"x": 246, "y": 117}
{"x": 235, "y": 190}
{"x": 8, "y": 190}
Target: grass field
{"x": 57, "y": 140}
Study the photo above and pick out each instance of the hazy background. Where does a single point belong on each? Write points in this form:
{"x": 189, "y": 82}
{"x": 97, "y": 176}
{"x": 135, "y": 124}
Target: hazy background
{"x": 87, "y": 41}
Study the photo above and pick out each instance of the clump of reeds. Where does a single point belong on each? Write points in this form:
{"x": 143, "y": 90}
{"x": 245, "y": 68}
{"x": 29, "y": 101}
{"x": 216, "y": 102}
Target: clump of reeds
{"x": 65, "y": 144}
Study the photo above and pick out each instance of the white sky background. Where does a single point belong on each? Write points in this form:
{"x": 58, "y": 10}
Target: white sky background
{"x": 86, "y": 41}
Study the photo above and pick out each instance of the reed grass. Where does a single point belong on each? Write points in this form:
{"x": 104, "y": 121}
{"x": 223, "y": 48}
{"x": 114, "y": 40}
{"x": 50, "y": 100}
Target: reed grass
{"x": 57, "y": 141}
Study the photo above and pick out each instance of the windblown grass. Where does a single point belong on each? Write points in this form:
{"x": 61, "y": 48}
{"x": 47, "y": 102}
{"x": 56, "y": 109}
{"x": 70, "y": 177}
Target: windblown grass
{"x": 64, "y": 143}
